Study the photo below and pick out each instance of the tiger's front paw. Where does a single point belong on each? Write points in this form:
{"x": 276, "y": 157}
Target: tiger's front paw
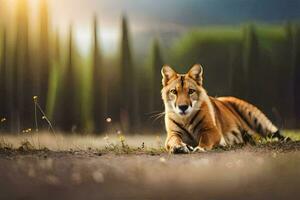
{"x": 181, "y": 149}
{"x": 199, "y": 149}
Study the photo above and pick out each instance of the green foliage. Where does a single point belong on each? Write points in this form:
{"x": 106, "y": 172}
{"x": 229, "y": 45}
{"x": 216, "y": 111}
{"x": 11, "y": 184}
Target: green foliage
{"x": 296, "y": 65}
{"x": 293, "y": 134}
{"x": 211, "y": 47}
{"x": 198, "y": 44}
{"x": 54, "y": 79}
{"x": 250, "y": 62}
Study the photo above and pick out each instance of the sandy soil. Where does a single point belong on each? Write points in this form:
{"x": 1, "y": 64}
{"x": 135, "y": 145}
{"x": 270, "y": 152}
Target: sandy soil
{"x": 269, "y": 171}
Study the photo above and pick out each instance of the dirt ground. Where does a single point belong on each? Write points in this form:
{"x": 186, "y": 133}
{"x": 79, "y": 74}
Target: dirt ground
{"x": 269, "y": 171}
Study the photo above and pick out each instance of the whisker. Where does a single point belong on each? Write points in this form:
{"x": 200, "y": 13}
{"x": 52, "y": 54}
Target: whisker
{"x": 153, "y": 112}
{"x": 157, "y": 116}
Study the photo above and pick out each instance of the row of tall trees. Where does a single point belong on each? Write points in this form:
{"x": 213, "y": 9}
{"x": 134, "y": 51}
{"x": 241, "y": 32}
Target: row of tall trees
{"x": 295, "y": 48}
{"x": 257, "y": 64}
{"x": 55, "y": 72}
{"x": 90, "y": 94}
{"x": 273, "y": 83}
{"x": 261, "y": 67}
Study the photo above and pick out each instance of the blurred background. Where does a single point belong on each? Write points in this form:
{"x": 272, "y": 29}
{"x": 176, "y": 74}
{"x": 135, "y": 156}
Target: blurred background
{"x": 94, "y": 65}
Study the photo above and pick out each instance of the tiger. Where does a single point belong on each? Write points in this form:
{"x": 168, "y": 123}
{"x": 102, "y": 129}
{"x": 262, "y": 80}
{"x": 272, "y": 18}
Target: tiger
{"x": 197, "y": 122}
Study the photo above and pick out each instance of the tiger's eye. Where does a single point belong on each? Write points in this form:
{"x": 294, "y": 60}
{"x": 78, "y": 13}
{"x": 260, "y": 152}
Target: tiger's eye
{"x": 192, "y": 91}
{"x": 173, "y": 91}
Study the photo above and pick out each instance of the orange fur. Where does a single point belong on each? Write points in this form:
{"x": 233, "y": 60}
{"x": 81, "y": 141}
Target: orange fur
{"x": 196, "y": 121}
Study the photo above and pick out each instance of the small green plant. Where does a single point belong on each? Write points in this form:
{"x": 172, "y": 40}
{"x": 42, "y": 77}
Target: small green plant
{"x": 123, "y": 140}
{"x": 44, "y": 117}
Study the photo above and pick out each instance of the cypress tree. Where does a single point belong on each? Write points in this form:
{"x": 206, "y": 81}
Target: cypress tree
{"x": 22, "y": 77}
{"x": 251, "y": 65}
{"x": 128, "y": 86}
{"x": 157, "y": 63}
{"x": 70, "y": 107}
{"x": 3, "y": 77}
{"x": 296, "y": 63}
{"x": 286, "y": 73}
{"x": 55, "y": 78}
{"x": 239, "y": 68}
{"x": 97, "y": 82}
{"x": 150, "y": 87}
{"x": 44, "y": 64}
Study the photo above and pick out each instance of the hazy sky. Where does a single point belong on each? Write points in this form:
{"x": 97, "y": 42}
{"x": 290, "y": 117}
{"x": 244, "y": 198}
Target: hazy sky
{"x": 161, "y": 16}
{"x": 143, "y": 16}
{"x": 165, "y": 15}
{"x": 176, "y": 13}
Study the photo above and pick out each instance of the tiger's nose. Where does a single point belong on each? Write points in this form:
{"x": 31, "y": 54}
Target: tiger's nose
{"x": 183, "y": 108}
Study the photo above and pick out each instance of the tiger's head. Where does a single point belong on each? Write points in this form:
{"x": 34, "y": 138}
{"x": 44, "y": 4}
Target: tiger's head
{"x": 183, "y": 93}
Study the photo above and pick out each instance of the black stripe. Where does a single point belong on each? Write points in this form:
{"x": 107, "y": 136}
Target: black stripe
{"x": 182, "y": 81}
{"x": 249, "y": 113}
{"x": 194, "y": 117}
{"x": 234, "y": 109}
{"x": 259, "y": 128}
{"x": 182, "y": 128}
{"x": 241, "y": 115}
{"x": 247, "y": 137}
{"x": 229, "y": 107}
{"x": 255, "y": 121}
{"x": 235, "y": 133}
{"x": 199, "y": 122}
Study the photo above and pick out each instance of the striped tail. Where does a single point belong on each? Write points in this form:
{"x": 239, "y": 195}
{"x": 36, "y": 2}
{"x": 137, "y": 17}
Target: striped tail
{"x": 255, "y": 118}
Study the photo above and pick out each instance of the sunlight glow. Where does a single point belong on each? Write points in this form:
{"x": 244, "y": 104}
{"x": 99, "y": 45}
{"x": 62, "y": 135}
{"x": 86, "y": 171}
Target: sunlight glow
{"x": 108, "y": 40}
{"x": 83, "y": 40}
{"x": 32, "y": 4}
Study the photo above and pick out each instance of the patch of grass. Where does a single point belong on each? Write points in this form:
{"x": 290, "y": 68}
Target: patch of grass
{"x": 123, "y": 148}
{"x": 120, "y": 149}
{"x": 293, "y": 134}
{"x": 26, "y": 146}
{"x": 4, "y": 144}
{"x": 121, "y": 145}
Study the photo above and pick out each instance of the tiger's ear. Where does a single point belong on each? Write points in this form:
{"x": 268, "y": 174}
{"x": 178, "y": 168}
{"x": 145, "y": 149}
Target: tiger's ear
{"x": 167, "y": 73}
{"x": 196, "y": 73}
